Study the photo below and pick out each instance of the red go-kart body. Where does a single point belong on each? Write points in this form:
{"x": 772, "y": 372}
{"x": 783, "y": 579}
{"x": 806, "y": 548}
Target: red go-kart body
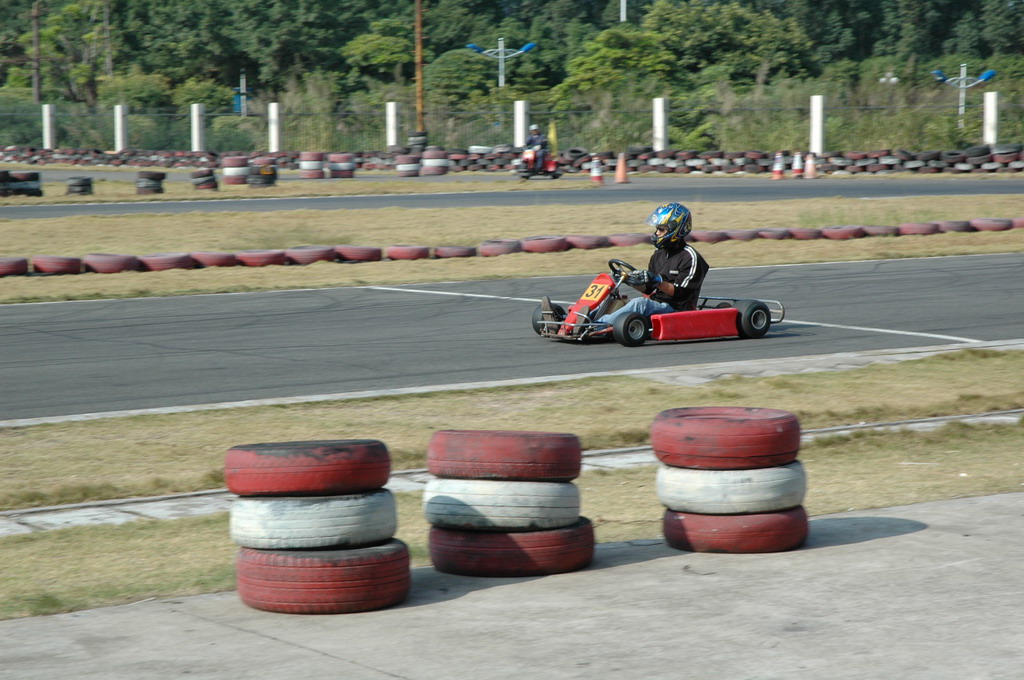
{"x": 528, "y": 166}
{"x": 715, "y": 317}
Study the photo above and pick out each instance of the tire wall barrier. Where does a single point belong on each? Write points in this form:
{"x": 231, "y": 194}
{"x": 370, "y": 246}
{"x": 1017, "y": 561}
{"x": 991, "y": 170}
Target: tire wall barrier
{"x": 315, "y": 527}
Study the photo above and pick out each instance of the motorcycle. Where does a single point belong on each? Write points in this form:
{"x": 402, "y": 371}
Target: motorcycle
{"x": 527, "y": 163}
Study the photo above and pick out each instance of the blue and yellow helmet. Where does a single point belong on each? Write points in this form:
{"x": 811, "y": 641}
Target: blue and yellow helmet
{"x": 676, "y": 219}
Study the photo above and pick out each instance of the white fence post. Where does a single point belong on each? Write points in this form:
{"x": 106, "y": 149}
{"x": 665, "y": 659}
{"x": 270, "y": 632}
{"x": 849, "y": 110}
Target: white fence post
{"x": 391, "y": 124}
{"x": 817, "y": 124}
{"x": 520, "y": 121}
{"x": 48, "y": 129}
{"x": 991, "y": 118}
{"x": 198, "y": 116}
{"x": 273, "y": 127}
{"x": 660, "y": 140}
{"x": 120, "y": 127}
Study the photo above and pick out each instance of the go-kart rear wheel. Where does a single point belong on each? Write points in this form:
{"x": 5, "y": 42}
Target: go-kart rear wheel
{"x": 631, "y": 330}
{"x": 754, "y": 319}
{"x": 538, "y": 317}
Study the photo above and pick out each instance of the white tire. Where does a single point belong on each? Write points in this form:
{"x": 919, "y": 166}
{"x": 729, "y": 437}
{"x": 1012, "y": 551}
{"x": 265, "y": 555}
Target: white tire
{"x": 488, "y": 505}
{"x": 731, "y": 492}
{"x": 292, "y": 522}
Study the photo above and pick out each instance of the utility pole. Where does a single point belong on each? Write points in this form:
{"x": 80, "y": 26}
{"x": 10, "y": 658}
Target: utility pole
{"x": 37, "y": 97}
{"x": 420, "y": 127}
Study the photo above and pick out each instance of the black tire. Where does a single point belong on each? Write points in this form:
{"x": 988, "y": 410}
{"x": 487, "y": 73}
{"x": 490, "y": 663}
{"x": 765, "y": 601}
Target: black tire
{"x": 538, "y": 316}
{"x": 754, "y": 319}
{"x": 556, "y": 175}
{"x": 631, "y": 330}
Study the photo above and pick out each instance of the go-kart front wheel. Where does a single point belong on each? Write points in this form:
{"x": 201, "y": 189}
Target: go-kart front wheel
{"x": 754, "y": 319}
{"x": 631, "y": 330}
{"x": 538, "y": 317}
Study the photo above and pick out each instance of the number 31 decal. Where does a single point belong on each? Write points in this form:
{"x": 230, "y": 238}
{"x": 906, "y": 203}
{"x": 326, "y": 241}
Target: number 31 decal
{"x": 594, "y": 292}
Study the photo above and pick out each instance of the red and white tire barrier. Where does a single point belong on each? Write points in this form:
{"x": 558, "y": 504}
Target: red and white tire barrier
{"x": 503, "y": 503}
{"x": 730, "y": 481}
{"x": 341, "y": 165}
{"x": 235, "y": 169}
{"x": 315, "y": 527}
{"x": 311, "y": 165}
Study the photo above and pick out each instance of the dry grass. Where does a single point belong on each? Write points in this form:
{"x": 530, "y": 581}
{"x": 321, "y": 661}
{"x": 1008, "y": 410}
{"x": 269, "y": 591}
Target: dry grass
{"x": 153, "y": 454}
{"x": 144, "y": 234}
{"x": 125, "y": 563}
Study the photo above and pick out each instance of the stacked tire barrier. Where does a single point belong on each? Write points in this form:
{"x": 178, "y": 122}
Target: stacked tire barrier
{"x": 311, "y": 165}
{"x": 235, "y": 169}
{"x": 434, "y": 161}
{"x": 315, "y": 527}
{"x": 502, "y": 503}
{"x": 407, "y": 165}
{"x": 263, "y": 171}
{"x": 149, "y": 182}
{"x": 20, "y": 184}
{"x": 204, "y": 179}
{"x": 730, "y": 480}
{"x": 341, "y": 165}
{"x": 79, "y": 186}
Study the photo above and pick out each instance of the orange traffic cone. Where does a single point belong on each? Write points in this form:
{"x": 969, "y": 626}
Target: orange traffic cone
{"x": 596, "y": 171}
{"x": 620, "y": 170}
{"x": 811, "y": 172}
{"x": 778, "y": 169}
{"x": 798, "y": 166}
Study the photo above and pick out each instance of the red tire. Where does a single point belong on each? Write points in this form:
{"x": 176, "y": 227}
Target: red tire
{"x": 1018, "y": 222}
{"x": 324, "y": 581}
{"x": 587, "y": 242}
{"x": 325, "y": 468}
{"x": 358, "y": 253}
{"x": 13, "y": 266}
{"x": 754, "y": 533}
{"x": 954, "y": 225}
{"x": 991, "y": 224}
{"x": 774, "y": 233}
{"x": 881, "y": 230}
{"x": 109, "y": 263}
{"x": 709, "y": 236}
{"x": 545, "y": 244}
{"x": 530, "y": 553}
{"x": 309, "y": 254}
{"x": 402, "y": 252}
{"x": 725, "y": 437}
{"x": 630, "y": 239}
{"x": 454, "y": 251}
{"x": 163, "y": 261}
{"x": 843, "y": 232}
{"x": 918, "y": 228}
{"x": 803, "y": 234}
{"x": 505, "y": 455}
{"x": 205, "y": 258}
{"x": 260, "y": 258}
{"x": 56, "y": 264}
{"x": 741, "y": 234}
{"x": 503, "y": 246}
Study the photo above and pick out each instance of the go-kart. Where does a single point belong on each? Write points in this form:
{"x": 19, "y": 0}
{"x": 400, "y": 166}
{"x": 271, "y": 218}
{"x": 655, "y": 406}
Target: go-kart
{"x": 714, "y": 317}
{"x": 527, "y": 165}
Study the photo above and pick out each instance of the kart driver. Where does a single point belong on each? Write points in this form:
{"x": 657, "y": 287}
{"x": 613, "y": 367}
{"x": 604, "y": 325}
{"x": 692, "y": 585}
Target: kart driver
{"x": 540, "y": 142}
{"x": 675, "y": 272}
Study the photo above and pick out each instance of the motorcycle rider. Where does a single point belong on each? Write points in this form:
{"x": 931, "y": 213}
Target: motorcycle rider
{"x": 675, "y": 272}
{"x": 538, "y": 142}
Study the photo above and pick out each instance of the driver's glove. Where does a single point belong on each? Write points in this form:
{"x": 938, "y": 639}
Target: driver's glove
{"x": 644, "y": 278}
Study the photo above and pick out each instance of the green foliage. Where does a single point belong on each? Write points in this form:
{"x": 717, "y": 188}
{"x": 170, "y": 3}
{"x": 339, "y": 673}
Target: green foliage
{"x": 200, "y": 91}
{"x": 136, "y": 89}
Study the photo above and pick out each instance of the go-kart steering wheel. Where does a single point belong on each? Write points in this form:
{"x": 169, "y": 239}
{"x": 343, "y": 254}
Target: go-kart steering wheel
{"x": 619, "y": 268}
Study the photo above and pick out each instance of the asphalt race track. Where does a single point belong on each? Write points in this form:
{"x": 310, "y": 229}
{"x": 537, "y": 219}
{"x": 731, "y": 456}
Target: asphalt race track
{"x": 99, "y": 356}
{"x": 649, "y": 189}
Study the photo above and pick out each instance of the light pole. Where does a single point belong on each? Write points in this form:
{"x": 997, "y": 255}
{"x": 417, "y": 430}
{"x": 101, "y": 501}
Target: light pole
{"x": 962, "y": 83}
{"x": 501, "y": 54}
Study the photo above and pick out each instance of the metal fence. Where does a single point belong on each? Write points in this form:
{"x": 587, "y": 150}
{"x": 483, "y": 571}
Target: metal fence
{"x": 846, "y": 128}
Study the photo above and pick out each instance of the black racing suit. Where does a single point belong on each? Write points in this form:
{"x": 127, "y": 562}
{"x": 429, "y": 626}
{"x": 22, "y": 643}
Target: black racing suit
{"x": 686, "y": 269}
{"x": 537, "y": 139}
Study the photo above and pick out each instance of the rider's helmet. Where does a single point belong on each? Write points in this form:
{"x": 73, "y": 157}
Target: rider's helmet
{"x": 676, "y": 219}
{"x": 534, "y": 128}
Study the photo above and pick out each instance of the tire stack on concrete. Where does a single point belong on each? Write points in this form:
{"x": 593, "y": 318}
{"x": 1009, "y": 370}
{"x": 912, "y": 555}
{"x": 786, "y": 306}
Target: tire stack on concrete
{"x": 341, "y": 165}
{"x": 235, "y": 169}
{"x": 311, "y": 165}
{"x": 729, "y": 479}
{"x": 315, "y": 527}
{"x": 502, "y": 503}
